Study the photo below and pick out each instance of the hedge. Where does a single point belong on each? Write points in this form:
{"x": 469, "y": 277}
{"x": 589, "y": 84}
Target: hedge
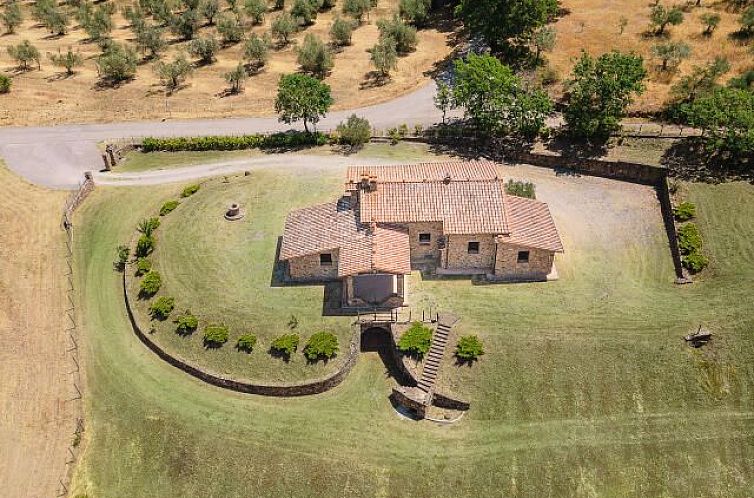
{"x": 257, "y": 141}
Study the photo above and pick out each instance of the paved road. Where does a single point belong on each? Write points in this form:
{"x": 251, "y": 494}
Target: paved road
{"x": 57, "y": 156}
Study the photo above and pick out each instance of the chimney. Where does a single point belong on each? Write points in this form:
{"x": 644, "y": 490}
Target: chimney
{"x": 446, "y": 180}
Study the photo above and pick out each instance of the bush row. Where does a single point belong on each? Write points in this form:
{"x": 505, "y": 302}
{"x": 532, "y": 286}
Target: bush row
{"x": 258, "y": 141}
{"x": 690, "y": 243}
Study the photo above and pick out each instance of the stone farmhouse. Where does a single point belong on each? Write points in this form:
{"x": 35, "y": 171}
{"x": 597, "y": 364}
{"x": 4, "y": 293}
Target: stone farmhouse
{"x": 444, "y": 218}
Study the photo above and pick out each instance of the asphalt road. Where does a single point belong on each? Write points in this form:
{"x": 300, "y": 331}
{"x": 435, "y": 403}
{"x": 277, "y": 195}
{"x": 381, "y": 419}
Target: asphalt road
{"x": 58, "y": 156}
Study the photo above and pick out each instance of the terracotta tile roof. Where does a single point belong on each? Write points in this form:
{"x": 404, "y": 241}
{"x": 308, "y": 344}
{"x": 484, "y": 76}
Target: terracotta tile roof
{"x": 531, "y": 224}
{"x": 423, "y": 172}
{"x": 334, "y": 225}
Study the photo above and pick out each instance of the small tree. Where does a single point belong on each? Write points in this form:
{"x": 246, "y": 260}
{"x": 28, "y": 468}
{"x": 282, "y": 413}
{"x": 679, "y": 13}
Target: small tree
{"x": 204, "y": 49}
{"x": 414, "y": 12}
{"x": 150, "y": 284}
{"x": 24, "y": 53}
{"x": 162, "y": 307}
{"x": 256, "y": 9}
{"x": 341, "y": 32}
{"x": 416, "y": 340}
{"x": 354, "y": 132}
{"x": 321, "y": 346}
{"x": 384, "y": 57}
{"x": 230, "y": 29}
{"x": 285, "y": 345}
{"x": 443, "y": 99}
{"x": 543, "y": 41}
{"x": 701, "y": 80}
{"x": 144, "y": 246}
{"x": 357, "y": 9}
{"x": 256, "y": 50}
{"x": 172, "y": 74}
{"x": 122, "y": 252}
{"x": 304, "y": 12}
{"x": 185, "y": 24}
{"x": 209, "y": 10}
{"x": 747, "y": 21}
{"x": 67, "y": 60}
{"x": 403, "y": 35}
{"x": 246, "y": 343}
{"x": 301, "y": 97}
{"x": 97, "y": 22}
{"x": 215, "y": 336}
{"x": 671, "y": 53}
{"x": 150, "y": 41}
{"x": 314, "y": 56}
{"x": 143, "y": 266}
{"x": 236, "y": 78}
{"x": 11, "y": 17}
{"x": 5, "y": 83}
{"x": 283, "y": 26}
{"x": 55, "y": 20}
{"x": 662, "y": 16}
{"x": 710, "y": 20}
{"x": 186, "y": 324}
{"x": 469, "y": 348}
{"x": 117, "y": 63}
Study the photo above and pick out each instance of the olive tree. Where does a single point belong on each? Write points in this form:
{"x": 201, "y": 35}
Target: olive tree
{"x": 341, "y": 32}
{"x": 256, "y": 50}
{"x": 236, "y": 78}
{"x": 283, "y": 26}
{"x": 11, "y": 17}
{"x": 230, "y": 29}
{"x": 256, "y": 9}
{"x": 204, "y": 49}
{"x": 662, "y": 16}
{"x": 671, "y": 53}
{"x": 117, "y": 63}
{"x": 172, "y": 74}
{"x": 67, "y": 60}
{"x": 24, "y": 53}
{"x": 314, "y": 56}
{"x": 384, "y": 57}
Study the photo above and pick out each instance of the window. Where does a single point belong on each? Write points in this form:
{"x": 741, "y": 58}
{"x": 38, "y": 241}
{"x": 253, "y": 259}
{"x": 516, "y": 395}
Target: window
{"x": 325, "y": 259}
{"x": 425, "y": 238}
{"x": 473, "y": 247}
{"x": 523, "y": 256}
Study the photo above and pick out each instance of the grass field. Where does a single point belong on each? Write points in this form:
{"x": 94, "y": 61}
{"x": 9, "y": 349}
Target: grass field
{"x": 586, "y": 388}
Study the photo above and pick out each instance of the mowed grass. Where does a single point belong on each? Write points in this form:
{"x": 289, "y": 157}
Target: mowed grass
{"x": 223, "y": 272}
{"x": 586, "y": 388}
{"x": 136, "y": 162}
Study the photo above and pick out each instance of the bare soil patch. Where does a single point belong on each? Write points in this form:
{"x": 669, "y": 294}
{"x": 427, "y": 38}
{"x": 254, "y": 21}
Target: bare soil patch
{"x": 37, "y": 422}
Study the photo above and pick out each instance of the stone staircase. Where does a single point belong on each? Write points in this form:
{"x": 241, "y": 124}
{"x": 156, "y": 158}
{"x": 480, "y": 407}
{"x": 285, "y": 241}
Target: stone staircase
{"x": 435, "y": 355}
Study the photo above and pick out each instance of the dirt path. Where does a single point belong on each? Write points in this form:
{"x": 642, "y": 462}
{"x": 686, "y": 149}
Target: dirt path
{"x": 37, "y": 423}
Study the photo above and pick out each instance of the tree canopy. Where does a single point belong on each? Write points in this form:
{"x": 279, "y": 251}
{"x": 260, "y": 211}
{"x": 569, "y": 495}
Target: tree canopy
{"x": 727, "y": 117}
{"x": 302, "y": 98}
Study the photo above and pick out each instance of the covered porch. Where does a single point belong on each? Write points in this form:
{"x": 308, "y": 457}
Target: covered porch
{"x": 374, "y": 290}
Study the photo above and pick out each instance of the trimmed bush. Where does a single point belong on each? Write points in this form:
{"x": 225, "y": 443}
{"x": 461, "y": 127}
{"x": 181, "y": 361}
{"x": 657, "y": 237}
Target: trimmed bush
{"x": 143, "y": 266}
{"x": 285, "y": 345}
{"x": 695, "y": 261}
{"x": 144, "y": 245}
{"x": 469, "y": 348}
{"x": 246, "y": 343}
{"x": 684, "y": 211}
{"x": 416, "y": 340}
{"x": 322, "y": 345}
{"x": 520, "y": 189}
{"x": 186, "y": 323}
{"x": 168, "y": 207}
{"x": 354, "y": 132}
{"x": 149, "y": 225}
{"x": 5, "y": 83}
{"x": 162, "y": 307}
{"x": 151, "y": 283}
{"x": 215, "y": 336}
{"x": 123, "y": 252}
{"x": 190, "y": 190}
{"x": 259, "y": 141}
{"x": 689, "y": 238}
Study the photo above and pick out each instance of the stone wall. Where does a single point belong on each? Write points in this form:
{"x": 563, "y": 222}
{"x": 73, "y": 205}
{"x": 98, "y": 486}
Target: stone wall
{"x": 308, "y": 268}
{"x": 424, "y": 252}
{"x": 459, "y": 259}
{"x": 507, "y": 266}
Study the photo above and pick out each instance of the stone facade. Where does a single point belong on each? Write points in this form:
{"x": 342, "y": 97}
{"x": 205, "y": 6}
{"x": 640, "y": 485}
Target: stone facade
{"x": 423, "y": 252}
{"x": 458, "y": 259}
{"x": 508, "y": 266}
{"x": 309, "y": 268}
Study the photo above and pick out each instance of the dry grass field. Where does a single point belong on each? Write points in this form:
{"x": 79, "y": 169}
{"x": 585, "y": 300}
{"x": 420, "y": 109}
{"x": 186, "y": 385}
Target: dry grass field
{"x": 36, "y": 423}
{"x": 47, "y": 96}
{"x": 594, "y": 26}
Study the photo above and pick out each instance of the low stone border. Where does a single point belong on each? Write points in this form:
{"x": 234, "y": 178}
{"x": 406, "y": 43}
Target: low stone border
{"x": 288, "y": 390}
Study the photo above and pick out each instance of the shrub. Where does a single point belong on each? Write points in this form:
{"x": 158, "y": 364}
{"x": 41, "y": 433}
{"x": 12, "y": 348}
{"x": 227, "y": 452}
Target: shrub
{"x": 144, "y": 245}
{"x": 520, "y": 189}
{"x": 204, "y": 49}
{"x": 117, "y": 63}
{"x": 341, "y": 32}
{"x": 322, "y": 345}
{"x": 186, "y": 323}
{"x": 168, "y": 207}
{"x": 5, "y": 83}
{"x": 147, "y": 226}
{"x": 684, "y": 211}
{"x": 314, "y": 56}
{"x": 274, "y": 141}
{"x": 215, "y": 336}
{"x": 143, "y": 266}
{"x": 246, "y": 343}
{"x": 190, "y": 190}
{"x": 285, "y": 345}
{"x": 150, "y": 284}
{"x": 416, "y": 340}
{"x": 695, "y": 262}
{"x": 469, "y": 348}
{"x": 162, "y": 307}
{"x": 354, "y": 132}
{"x": 403, "y": 34}
{"x": 122, "y": 252}
{"x": 689, "y": 238}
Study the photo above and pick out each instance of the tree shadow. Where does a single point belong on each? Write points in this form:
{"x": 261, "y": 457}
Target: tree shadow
{"x": 690, "y": 159}
{"x": 374, "y": 79}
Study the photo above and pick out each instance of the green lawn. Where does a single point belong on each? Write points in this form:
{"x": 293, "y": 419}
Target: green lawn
{"x": 222, "y": 270}
{"x": 136, "y": 162}
{"x": 586, "y": 388}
